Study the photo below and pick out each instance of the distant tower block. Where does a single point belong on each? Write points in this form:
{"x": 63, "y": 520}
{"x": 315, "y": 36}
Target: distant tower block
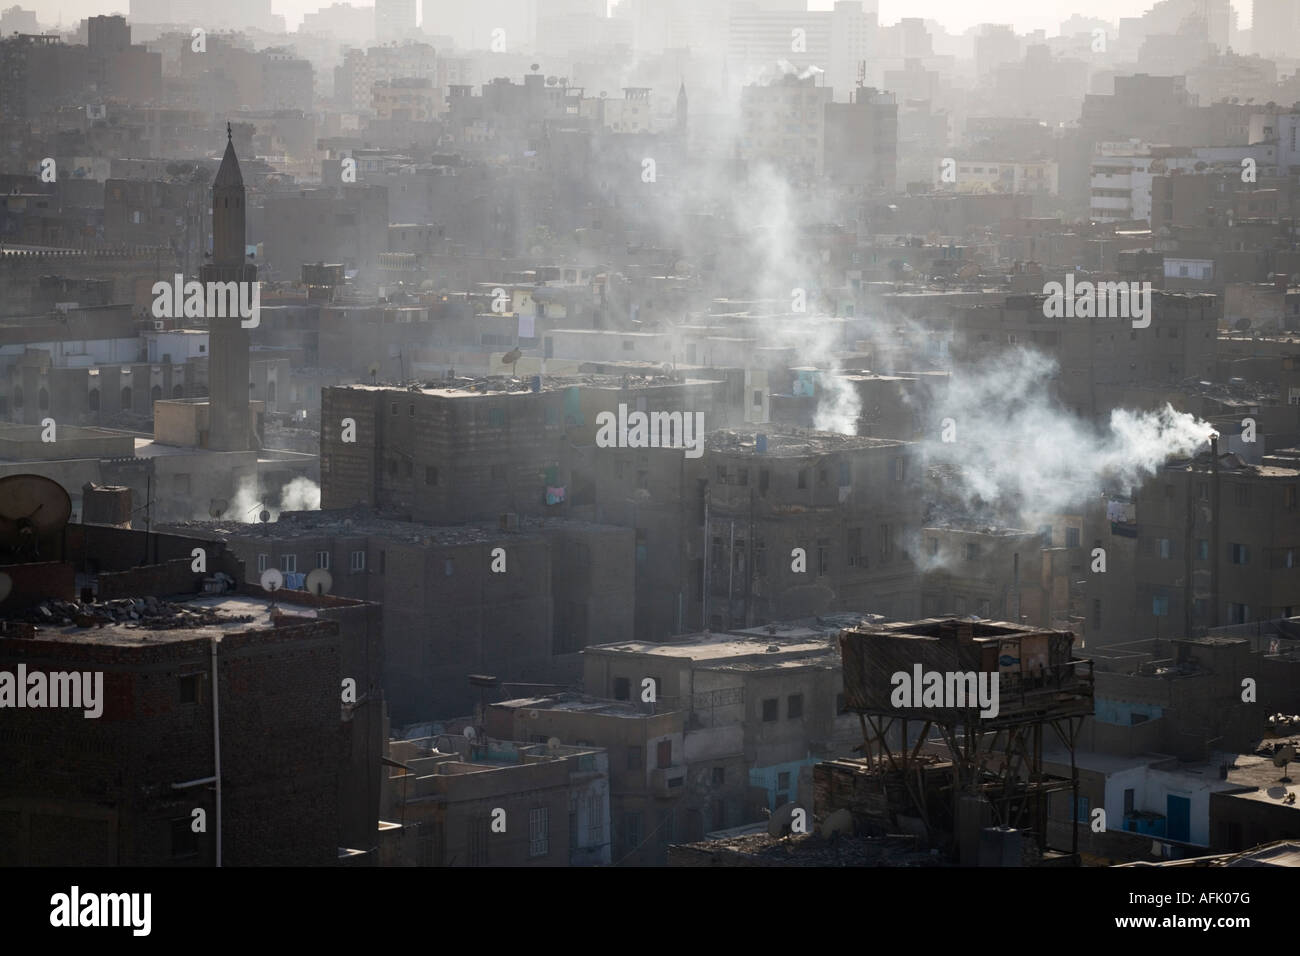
{"x": 228, "y": 339}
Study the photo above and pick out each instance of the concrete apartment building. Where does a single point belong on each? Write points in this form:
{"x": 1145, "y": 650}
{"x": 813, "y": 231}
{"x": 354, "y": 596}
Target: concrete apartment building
{"x": 473, "y": 450}
{"x": 653, "y": 797}
{"x": 299, "y": 761}
{"x": 861, "y": 141}
{"x": 763, "y": 702}
{"x": 1217, "y": 545}
{"x": 1181, "y": 342}
{"x": 559, "y": 585}
{"x": 783, "y": 125}
{"x": 1002, "y": 574}
{"x": 849, "y": 504}
{"x": 482, "y": 801}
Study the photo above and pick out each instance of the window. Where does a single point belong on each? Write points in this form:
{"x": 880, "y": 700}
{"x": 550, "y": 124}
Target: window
{"x": 1238, "y": 613}
{"x": 633, "y": 758}
{"x": 932, "y": 545}
{"x": 189, "y": 685}
{"x": 1240, "y": 554}
{"x": 288, "y": 563}
{"x": 410, "y": 410}
{"x": 897, "y": 468}
{"x": 803, "y": 477}
{"x": 854, "y": 548}
{"x": 261, "y": 562}
{"x": 1159, "y": 605}
{"x": 1165, "y": 547}
{"x": 393, "y": 407}
{"x": 886, "y": 543}
{"x": 758, "y": 398}
{"x": 477, "y": 835}
{"x": 1289, "y": 497}
{"x": 430, "y": 475}
{"x": 664, "y": 754}
{"x": 1129, "y": 797}
{"x": 621, "y": 688}
{"x": 357, "y": 561}
{"x": 185, "y": 842}
{"x": 323, "y": 560}
{"x": 823, "y": 556}
{"x": 972, "y": 551}
{"x": 1071, "y": 537}
{"x": 719, "y": 776}
{"x": 770, "y": 709}
{"x": 631, "y": 831}
{"x": 794, "y": 706}
{"x": 1203, "y": 549}
{"x": 539, "y": 831}
{"x": 845, "y": 474}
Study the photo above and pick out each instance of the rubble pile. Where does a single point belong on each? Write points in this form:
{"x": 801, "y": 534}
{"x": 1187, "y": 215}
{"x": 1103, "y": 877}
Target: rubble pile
{"x": 148, "y": 613}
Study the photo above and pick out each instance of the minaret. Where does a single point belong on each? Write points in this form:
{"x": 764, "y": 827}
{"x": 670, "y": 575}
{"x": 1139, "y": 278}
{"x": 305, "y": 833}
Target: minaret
{"x": 228, "y": 425}
{"x": 681, "y": 109}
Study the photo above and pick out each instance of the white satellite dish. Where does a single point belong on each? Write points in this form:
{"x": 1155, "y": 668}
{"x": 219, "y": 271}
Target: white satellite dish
{"x": 470, "y": 733}
{"x": 553, "y": 744}
{"x": 838, "y": 823}
{"x": 272, "y": 579}
{"x": 319, "y": 581}
{"x": 779, "y": 822}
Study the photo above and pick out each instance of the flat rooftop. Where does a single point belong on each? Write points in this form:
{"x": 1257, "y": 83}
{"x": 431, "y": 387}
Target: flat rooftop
{"x": 576, "y": 703}
{"x": 724, "y": 648}
{"x": 506, "y": 385}
{"x": 157, "y": 621}
{"x": 788, "y": 441}
{"x": 358, "y": 523}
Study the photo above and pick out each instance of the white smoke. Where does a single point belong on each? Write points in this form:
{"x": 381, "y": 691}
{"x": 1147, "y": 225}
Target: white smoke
{"x": 1020, "y": 455}
{"x": 300, "y": 494}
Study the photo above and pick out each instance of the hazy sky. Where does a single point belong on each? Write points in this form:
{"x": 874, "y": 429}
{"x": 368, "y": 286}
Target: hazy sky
{"x": 956, "y": 15}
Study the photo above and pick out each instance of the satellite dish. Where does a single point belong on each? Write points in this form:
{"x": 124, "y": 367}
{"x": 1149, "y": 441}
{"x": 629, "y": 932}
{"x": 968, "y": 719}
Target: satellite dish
{"x": 272, "y": 579}
{"x": 218, "y": 507}
{"x": 6, "y": 585}
{"x": 264, "y": 516}
{"x": 319, "y": 581}
{"x": 470, "y": 733}
{"x": 778, "y": 824}
{"x": 373, "y": 369}
{"x": 33, "y": 510}
{"x": 838, "y": 823}
{"x": 553, "y": 744}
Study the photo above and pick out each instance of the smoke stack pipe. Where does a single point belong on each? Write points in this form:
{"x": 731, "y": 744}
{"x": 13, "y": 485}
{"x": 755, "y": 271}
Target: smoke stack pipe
{"x": 1214, "y": 529}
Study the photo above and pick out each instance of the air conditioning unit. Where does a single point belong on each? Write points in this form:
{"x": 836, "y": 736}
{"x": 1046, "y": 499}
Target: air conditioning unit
{"x": 159, "y": 325}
